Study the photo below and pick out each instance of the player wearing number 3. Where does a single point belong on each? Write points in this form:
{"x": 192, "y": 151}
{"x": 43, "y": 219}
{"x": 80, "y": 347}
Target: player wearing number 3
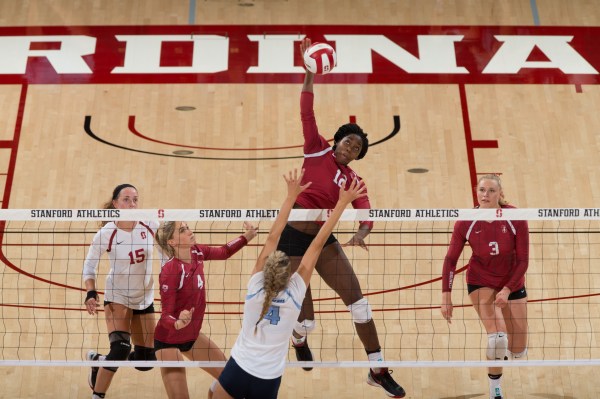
{"x": 273, "y": 302}
{"x": 495, "y": 277}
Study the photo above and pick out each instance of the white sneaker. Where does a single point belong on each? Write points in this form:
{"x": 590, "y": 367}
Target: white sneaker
{"x": 496, "y": 393}
{"x": 91, "y": 356}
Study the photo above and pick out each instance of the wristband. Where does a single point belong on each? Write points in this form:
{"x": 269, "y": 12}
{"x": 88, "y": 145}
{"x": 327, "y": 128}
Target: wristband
{"x": 91, "y": 294}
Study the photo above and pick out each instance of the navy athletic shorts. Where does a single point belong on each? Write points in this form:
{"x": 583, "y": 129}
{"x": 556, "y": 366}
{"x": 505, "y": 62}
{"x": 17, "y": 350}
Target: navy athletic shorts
{"x": 240, "y": 384}
{"x": 295, "y": 243}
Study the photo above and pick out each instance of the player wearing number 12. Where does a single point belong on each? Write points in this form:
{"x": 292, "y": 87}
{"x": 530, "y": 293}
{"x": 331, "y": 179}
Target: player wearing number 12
{"x": 273, "y": 302}
{"x": 327, "y": 167}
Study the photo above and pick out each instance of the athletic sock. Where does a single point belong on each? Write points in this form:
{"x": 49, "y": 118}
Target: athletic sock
{"x": 375, "y": 357}
{"x": 298, "y": 341}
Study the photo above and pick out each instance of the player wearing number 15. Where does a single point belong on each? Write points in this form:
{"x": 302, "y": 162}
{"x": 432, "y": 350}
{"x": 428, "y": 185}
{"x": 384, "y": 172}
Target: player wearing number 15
{"x": 129, "y": 290}
{"x": 495, "y": 277}
{"x": 273, "y": 302}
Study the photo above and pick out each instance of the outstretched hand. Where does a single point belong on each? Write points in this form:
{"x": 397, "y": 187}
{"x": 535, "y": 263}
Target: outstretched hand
{"x": 304, "y": 45}
{"x": 294, "y": 185}
{"x": 356, "y": 190}
{"x": 356, "y": 241}
{"x": 251, "y": 231}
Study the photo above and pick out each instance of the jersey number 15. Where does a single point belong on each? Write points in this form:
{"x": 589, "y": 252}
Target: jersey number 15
{"x": 139, "y": 256}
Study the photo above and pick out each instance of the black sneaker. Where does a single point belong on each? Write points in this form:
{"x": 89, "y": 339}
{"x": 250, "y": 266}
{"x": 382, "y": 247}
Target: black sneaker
{"x": 303, "y": 354}
{"x": 384, "y": 380}
{"x": 92, "y": 356}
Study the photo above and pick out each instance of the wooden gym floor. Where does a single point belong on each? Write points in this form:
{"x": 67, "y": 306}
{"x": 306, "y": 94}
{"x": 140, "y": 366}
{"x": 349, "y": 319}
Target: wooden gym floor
{"x": 547, "y": 154}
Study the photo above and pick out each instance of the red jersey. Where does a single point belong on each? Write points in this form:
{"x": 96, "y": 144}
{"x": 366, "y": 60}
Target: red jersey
{"x": 500, "y": 253}
{"x": 182, "y": 288}
{"x": 320, "y": 166}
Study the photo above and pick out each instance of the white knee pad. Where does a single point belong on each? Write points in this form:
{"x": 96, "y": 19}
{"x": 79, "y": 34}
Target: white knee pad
{"x": 361, "y": 311}
{"x": 497, "y": 348}
{"x": 518, "y": 355}
{"x": 303, "y": 327}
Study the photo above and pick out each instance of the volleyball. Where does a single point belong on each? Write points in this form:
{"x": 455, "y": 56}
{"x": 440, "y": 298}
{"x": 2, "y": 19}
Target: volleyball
{"x": 320, "y": 58}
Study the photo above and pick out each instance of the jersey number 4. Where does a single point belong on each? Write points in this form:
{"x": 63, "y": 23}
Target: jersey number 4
{"x": 273, "y": 315}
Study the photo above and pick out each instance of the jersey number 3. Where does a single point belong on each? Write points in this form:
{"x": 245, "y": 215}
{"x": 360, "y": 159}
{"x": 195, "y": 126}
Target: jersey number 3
{"x": 273, "y": 315}
{"x": 495, "y": 250}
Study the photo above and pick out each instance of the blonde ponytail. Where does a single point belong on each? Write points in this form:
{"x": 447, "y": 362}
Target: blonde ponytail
{"x": 277, "y": 272}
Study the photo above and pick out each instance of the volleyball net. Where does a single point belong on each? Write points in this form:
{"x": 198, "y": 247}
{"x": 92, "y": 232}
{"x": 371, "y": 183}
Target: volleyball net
{"x": 43, "y": 320}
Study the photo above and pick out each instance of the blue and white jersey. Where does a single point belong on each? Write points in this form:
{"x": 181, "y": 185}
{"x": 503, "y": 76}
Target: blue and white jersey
{"x": 264, "y": 354}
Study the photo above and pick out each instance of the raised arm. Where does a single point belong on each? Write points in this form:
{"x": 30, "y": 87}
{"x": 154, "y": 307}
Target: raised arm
{"x": 232, "y": 247}
{"x": 293, "y": 181}
{"x": 309, "y": 260}
{"x": 309, "y": 77}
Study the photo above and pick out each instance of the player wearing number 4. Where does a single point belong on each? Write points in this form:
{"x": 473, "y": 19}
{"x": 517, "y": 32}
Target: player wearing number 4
{"x": 183, "y": 297}
{"x": 129, "y": 291}
{"x": 327, "y": 167}
{"x": 495, "y": 278}
{"x": 273, "y": 302}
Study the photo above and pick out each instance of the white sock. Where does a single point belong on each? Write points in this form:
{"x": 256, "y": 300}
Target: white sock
{"x": 298, "y": 341}
{"x": 495, "y": 382}
{"x": 213, "y": 386}
{"x": 495, "y": 389}
{"x": 376, "y": 357}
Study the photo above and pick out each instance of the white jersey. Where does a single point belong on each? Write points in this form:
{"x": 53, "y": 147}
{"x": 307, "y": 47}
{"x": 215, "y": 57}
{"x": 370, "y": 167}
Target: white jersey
{"x": 129, "y": 280}
{"x": 264, "y": 354}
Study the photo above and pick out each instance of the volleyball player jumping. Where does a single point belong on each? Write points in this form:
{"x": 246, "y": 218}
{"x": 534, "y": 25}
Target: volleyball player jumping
{"x": 272, "y": 304}
{"x": 327, "y": 168}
